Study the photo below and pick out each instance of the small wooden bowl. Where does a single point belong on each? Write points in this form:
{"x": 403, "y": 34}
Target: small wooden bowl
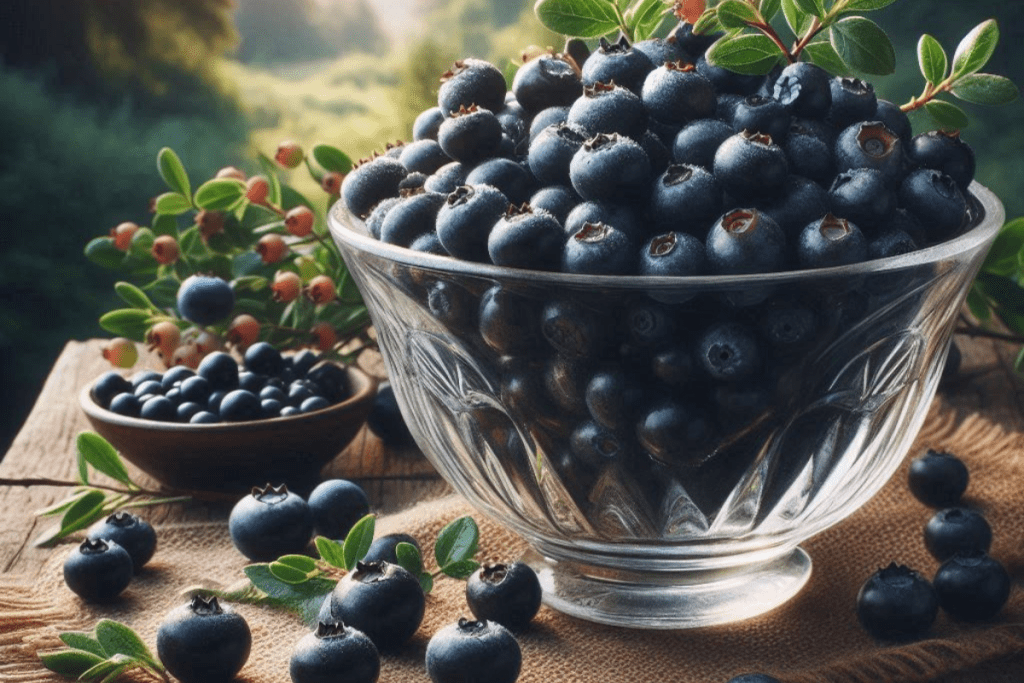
{"x": 235, "y": 456}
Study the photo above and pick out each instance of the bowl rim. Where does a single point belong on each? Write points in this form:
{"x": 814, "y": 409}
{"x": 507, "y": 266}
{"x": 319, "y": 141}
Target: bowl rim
{"x": 351, "y": 231}
{"x": 366, "y": 391}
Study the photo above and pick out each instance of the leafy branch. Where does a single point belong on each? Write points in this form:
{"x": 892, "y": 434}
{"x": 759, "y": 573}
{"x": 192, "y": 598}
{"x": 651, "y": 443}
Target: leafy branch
{"x": 997, "y": 294}
{"x": 92, "y": 501}
{"x": 108, "y": 653}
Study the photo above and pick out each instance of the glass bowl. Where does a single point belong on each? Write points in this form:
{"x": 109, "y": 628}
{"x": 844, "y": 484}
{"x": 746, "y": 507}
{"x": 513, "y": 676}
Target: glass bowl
{"x": 665, "y": 443}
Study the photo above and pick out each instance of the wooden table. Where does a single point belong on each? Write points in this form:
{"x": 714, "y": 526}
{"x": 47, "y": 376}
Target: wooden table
{"x": 45, "y": 447}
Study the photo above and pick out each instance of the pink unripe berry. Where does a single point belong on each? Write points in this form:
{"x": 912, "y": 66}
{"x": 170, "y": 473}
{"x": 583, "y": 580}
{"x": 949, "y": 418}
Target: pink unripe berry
{"x": 271, "y": 248}
{"x": 121, "y": 352}
{"x": 331, "y": 182}
{"x": 299, "y": 221}
{"x": 207, "y": 342}
{"x": 210, "y": 223}
{"x": 187, "y": 355}
{"x": 231, "y": 172}
{"x": 289, "y": 154}
{"x": 324, "y": 336}
{"x": 163, "y": 338}
{"x": 287, "y": 286}
{"x": 243, "y": 331}
{"x": 165, "y": 249}
{"x": 256, "y": 189}
{"x": 123, "y": 234}
{"x": 320, "y": 289}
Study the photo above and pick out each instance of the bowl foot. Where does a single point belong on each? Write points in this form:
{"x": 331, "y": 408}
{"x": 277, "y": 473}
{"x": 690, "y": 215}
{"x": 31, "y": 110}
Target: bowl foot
{"x": 670, "y": 600}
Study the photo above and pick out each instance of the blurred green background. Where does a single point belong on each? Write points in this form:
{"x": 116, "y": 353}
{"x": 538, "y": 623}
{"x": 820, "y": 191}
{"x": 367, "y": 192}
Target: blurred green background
{"x": 92, "y": 90}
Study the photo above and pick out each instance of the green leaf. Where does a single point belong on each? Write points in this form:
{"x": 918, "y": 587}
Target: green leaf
{"x": 84, "y": 641}
{"x": 797, "y": 18}
{"x": 456, "y": 542}
{"x": 409, "y": 558}
{"x": 426, "y": 582}
{"x": 736, "y": 14}
{"x": 270, "y": 170}
{"x": 985, "y": 89}
{"x": 331, "y": 552}
{"x": 303, "y": 563}
{"x": 824, "y": 55}
{"x": 769, "y": 8}
{"x": 1004, "y": 255}
{"x": 60, "y": 506}
{"x": 462, "y": 569}
{"x": 288, "y": 574}
{"x": 172, "y": 204}
{"x": 1018, "y": 363}
{"x": 751, "y": 53}
{"x": 83, "y": 467}
{"x": 219, "y": 194}
{"x": 932, "y": 59}
{"x": 976, "y": 48}
{"x": 331, "y": 158}
{"x": 814, "y": 7}
{"x": 126, "y": 322}
{"x": 83, "y": 513}
{"x": 102, "y": 252}
{"x": 116, "y": 638}
{"x": 358, "y": 540}
{"x": 164, "y": 224}
{"x": 577, "y": 18}
{"x": 290, "y": 198}
{"x": 173, "y": 172}
{"x": 948, "y": 116}
{"x": 98, "y": 452}
{"x": 109, "y": 669}
{"x": 863, "y": 45}
{"x": 133, "y": 296}
{"x": 645, "y": 17}
{"x": 70, "y": 663}
{"x": 304, "y": 598}
{"x": 708, "y": 22}
{"x": 866, "y": 5}
{"x": 163, "y": 292}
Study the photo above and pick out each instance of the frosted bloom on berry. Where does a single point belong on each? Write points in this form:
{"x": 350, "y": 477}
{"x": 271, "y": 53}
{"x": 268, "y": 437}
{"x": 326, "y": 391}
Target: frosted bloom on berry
{"x": 287, "y": 286}
{"x": 271, "y": 248}
{"x": 243, "y": 331}
{"x": 257, "y": 189}
{"x": 320, "y": 289}
{"x": 331, "y": 182}
{"x": 289, "y": 154}
{"x": 299, "y": 221}
{"x": 324, "y": 336}
{"x": 165, "y": 250}
{"x": 230, "y": 172}
{"x": 121, "y": 352}
{"x": 163, "y": 338}
{"x": 123, "y": 234}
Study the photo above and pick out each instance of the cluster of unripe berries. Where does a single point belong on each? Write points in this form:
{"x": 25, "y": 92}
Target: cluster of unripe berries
{"x": 647, "y": 159}
{"x": 270, "y": 385}
{"x": 379, "y": 605}
{"x": 898, "y": 603}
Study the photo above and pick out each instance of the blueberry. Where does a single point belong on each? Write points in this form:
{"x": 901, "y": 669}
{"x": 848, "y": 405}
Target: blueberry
{"x": 330, "y": 380}
{"x": 751, "y": 166}
{"x": 312, "y": 404}
{"x": 214, "y": 401}
{"x": 386, "y": 421}
{"x": 303, "y": 361}
{"x": 674, "y": 366}
{"x": 956, "y": 530}
{"x": 98, "y": 570}
{"x": 685, "y": 198}
{"x": 508, "y": 323}
{"x": 370, "y": 182}
{"x": 565, "y": 380}
{"x": 552, "y": 151}
{"x": 726, "y": 81}
{"x": 613, "y": 396}
{"x": 662, "y": 51}
{"x": 672, "y": 254}
{"x": 765, "y": 115}
{"x": 220, "y": 370}
{"x": 617, "y": 62}
{"x": 972, "y": 586}
{"x": 205, "y": 299}
{"x": 558, "y": 200}
{"x": 334, "y": 653}
{"x": 470, "y": 135}
{"x": 381, "y": 599}
{"x": 423, "y": 156}
{"x": 471, "y": 81}
{"x": 805, "y": 89}
{"x": 204, "y": 417}
{"x": 250, "y": 381}
{"x": 693, "y": 44}
{"x": 187, "y": 410}
{"x": 787, "y": 326}
{"x": 575, "y": 330}
{"x": 621, "y": 217}
{"x": 674, "y": 93}
{"x": 446, "y": 179}
{"x": 891, "y": 243}
{"x": 240, "y": 406}
{"x": 380, "y": 211}
{"x": 800, "y": 202}
{"x": 599, "y": 249}
{"x": 729, "y": 351}
{"x": 697, "y": 142}
{"x": 145, "y": 376}
{"x": 596, "y": 446}
{"x": 336, "y": 505}
{"x": 753, "y": 678}
{"x": 523, "y": 238}
{"x": 870, "y": 144}
{"x": 270, "y": 522}
{"x": 610, "y": 167}
{"x": 473, "y": 652}
{"x": 149, "y": 388}
{"x": 546, "y": 81}
{"x": 552, "y": 116}
{"x": 853, "y": 100}
{"x": 609, "y": 108}
{"x": 829, "y": 242}
{"x": 946, "y": 152}
{"x": 654, "y": 146}
{"x": 465, "y": 220}
{"x": 175, "y": 375}
{"x": 132, "y": 533}
{"x": 935, "y": 199}
{"x": 938, "y": 479}
{"x": 196, "y": 389}
{"x": 426, "y": 124}
{"x": 651, "y": 324}
{"x": 674, "y": 431}
{"x": 510, "y": 177}
{"x": 862, "y": 196}
{"x": 203, "y": 642}
{"x": 270, "y": 408}
{"x": 894, "y": 119}
{"x": 897, "y": 603}
{"x": 508, "y": 594}
{"x": 810, "y": 153}
{"x": 745, "y": 241}
{"x": 383, "y": 549}
{"x": 158, "y": 408}
{"x": 413, "y": 216}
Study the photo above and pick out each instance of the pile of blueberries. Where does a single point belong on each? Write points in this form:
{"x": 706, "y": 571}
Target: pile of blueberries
{"x": 270, "y": 385}
{"x": 114, "y": 550}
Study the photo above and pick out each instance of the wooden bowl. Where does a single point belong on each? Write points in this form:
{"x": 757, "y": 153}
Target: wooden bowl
{"x": 235, "y": 456}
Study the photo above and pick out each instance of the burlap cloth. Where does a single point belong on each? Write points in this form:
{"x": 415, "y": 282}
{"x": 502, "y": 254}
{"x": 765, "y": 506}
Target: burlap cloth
{"x": 814, "y": 637}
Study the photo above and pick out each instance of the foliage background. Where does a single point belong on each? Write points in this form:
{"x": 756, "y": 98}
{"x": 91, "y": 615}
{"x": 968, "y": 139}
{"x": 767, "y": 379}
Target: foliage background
{"x": 92, "y": 90}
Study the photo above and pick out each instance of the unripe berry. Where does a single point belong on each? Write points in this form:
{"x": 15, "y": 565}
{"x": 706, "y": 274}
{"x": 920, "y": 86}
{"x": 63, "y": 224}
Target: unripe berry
{"x": 299, "y": 221}
{"x": 331, "y": 182}
{"x": 123, "y": 234}
{"x": 121, "y": 352}
{"x": 324, "y": 336}
{"x": 187, "y": 355}
{"x": 287, "y": 286}
{"x": 256, "y": 189}
{"x": 271, "y": 248}
{"x": 163, "y": 338}
{"x": 243, "y": 331}
{"x": 231, "y": 172}
{"x": 210, "y": 223}
{"x": 289, "y": 154}
{"x": 165, "y": 249}
{"x": 207, "y": 342}
{"x": 320, "y": 289}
